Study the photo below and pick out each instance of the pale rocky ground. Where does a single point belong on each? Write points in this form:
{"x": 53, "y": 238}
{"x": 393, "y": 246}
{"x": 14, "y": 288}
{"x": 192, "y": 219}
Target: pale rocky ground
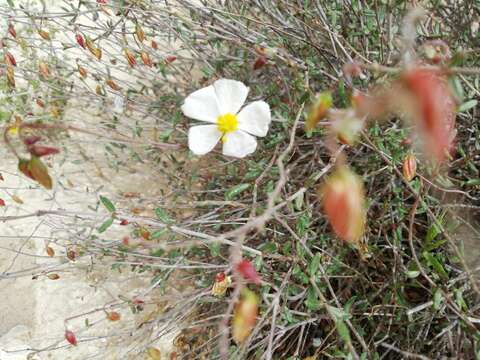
{"x": 33, "y": 312}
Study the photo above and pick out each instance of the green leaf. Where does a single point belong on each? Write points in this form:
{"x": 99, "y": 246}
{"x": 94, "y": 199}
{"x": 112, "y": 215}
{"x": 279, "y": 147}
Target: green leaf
{"x": 105, "y": 225}
{"x": 162, "y": 215}
{"x": 472, "y": 182}
{"x": 343, "y": 331}
{"x": 435, "y": 264}
{"x": 107, "y": 203}
{"x": 470, "y": 104}
{"x": 314, "y": 265}
{"x": 157, "y": 233}
{"x": 235, "y": 191}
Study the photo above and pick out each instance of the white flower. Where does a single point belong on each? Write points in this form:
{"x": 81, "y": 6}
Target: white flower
{"x": 219, "y": 105}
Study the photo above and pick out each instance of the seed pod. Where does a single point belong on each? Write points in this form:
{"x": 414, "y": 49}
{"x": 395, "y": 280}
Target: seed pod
{"x": 343, "y": 201}
{"x": 112, "y": 84}
{"x": 140, "y": 33}
{"x": 82, "y": 71}
{"x": 70, "y": 337}
{"x": 10, "y": 77}
{"x": 130, "y": 58}
{"x": 244, "y": 316}
{"x": 10, "y": 59}
{"x": 124, "y": 222}
{"x": 44, "y": 70}
{"x": 53, "y": 276}
{"x": 80, "y": 40}
{"x": 146, "y": 58}
{"x": 44, "y": 34}
{"x": 409, "y": 167}
{"x": 12, "y": 31}
{"x": 154, "y": 45}
{"x": 248, "y": 272}
{"x": 318, "y": 110}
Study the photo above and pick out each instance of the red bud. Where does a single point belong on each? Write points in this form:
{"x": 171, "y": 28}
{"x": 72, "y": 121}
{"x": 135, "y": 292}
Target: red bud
{"x": 80, "y": 40}
{"x": 40, "y": 150}
{"x": 220, "y": 276}
{"x": 260, "y": 62}
{"x": 2, "y": 202}
{"x": 124, "y": 222}
{"x": 170, "y": 58}
{"x": 10, "y": 59}
{"x": 246, "y": 269}
{"x": 70, "y": 337}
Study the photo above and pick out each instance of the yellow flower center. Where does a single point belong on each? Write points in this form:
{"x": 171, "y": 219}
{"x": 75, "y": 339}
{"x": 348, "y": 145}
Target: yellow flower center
{"x": 227, "y": 123}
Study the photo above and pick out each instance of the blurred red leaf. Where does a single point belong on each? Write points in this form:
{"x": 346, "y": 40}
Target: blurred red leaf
{"x": 259, "y": 63}
{"x": 2, "y": 202}
{"x": 40, "y": 150}
{"x": 80, "y": 40}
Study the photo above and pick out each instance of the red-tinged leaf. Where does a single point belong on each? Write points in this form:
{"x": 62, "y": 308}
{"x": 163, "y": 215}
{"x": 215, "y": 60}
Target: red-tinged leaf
{"x": 2, "y": 202}
{"x": 80, "y": 40}
{"x": 70, "y": 337}
{"x": 23, "y": 167}
{"x": 318, "y": 110}
{"x": 39, "y": 172}
{"x": 248, "y": 272}
{"x": 113, "y": 316}
{"x": 40, "y": 150}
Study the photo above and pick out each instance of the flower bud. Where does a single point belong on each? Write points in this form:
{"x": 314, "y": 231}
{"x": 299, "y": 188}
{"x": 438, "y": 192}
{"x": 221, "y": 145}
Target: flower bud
{"x": 112, "y": 84}
{"x": 260, "y": 62}
{"x": 154, "y": 45}
{"x": 70, "y": 337}
{"x": 248, "y": 272}
{"x": 318, "y": 110}
{"x": 140, "y": 33}
{"x": 113, "y": 316}
{"x": 130, "y": 58}
{"x": 170, "y": 58}
{"x": 221, "y": 284}
{"x": 244, "y": 316}
{"x": 343, "y": 201}
{"x": 146, "y": 58}
{"x": 12, "y": 31}
{"x": 44, "y": 34}
{"x": 346, "y": 126}
{"x": 433, "y": 110}
{"x": 409, "y": 167}
{"x": 82, "y": 71}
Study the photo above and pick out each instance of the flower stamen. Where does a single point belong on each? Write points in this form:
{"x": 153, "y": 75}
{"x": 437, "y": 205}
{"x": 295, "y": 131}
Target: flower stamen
{"x": 227, "y": 123}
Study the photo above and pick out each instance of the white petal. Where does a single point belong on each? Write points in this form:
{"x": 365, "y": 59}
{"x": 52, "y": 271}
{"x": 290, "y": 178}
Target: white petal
{"x": 239, "y": 144}
{"x": 203, "y": 138}
{"x": 231, "y": 95}
{"x": 202, "y": 105}
{"x": 255, "y": 118}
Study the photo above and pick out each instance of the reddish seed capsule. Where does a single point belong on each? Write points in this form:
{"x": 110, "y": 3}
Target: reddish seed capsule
{"x": 30, "y": 140}
{"x": 80, "y": 40}
{"x": 40, "y": 150}
{"x": 247, "y": 270}
{"x": 124, "y": 222}
{"x": 2, "y": 202}
{"x": 70, "y": 337}
{"x": 170, "y": 58}
{"x": 12, "y": 31}
{"x": 10, "y": 59}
